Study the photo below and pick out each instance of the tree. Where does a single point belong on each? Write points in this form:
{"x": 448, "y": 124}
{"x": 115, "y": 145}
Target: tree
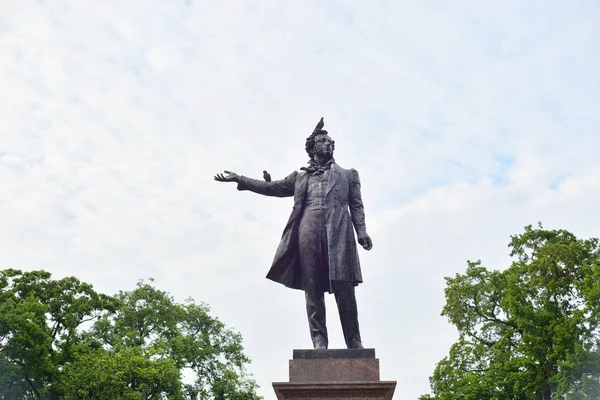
{"x": 59, "y": 339}
{"x": 39, "y": 322}
{"x": 530, "y": 331}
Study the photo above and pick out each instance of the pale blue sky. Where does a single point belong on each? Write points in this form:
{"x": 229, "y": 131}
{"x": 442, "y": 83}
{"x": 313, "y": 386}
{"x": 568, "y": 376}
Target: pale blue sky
{"x": 465, "y": 120}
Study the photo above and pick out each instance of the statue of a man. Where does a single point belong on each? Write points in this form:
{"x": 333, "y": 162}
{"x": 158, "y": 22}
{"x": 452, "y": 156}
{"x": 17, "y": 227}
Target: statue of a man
{"x": 318, "y": 251}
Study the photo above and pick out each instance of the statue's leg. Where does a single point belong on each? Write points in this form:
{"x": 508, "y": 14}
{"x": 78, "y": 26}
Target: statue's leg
{"x": 313, "y": 269}
{"x": 346, "y": 303}
{"x": 312, "y": 283}
{"x": 315, "y": 310}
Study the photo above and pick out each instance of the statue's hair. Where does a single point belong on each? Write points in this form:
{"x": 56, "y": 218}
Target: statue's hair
{"x": 310, "y": 142}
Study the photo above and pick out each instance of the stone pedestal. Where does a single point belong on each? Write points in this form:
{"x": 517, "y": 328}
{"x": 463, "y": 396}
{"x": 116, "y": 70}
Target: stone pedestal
{"x": 345, "y": 374}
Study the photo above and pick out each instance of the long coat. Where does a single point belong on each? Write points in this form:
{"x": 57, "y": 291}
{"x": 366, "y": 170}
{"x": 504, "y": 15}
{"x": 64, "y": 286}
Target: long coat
{"x": 344, "y": 208}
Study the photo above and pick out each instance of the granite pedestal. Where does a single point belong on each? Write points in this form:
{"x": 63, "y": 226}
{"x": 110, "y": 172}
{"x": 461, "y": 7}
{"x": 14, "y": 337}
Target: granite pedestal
{"x": 345, "y": 374}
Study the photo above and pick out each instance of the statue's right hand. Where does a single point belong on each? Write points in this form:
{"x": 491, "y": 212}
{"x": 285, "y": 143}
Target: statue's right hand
{"x": 230, "y": 177}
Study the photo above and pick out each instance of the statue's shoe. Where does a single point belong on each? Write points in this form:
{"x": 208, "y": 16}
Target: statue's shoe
{"x": 320, "y": 343}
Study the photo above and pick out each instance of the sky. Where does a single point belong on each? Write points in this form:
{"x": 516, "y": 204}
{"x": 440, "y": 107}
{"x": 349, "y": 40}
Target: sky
{"x": 466, "y": 121}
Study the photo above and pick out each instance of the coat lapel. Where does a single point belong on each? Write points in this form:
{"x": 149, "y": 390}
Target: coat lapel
{"x": 334, "y": 176}
{"x": 300, "y": 195}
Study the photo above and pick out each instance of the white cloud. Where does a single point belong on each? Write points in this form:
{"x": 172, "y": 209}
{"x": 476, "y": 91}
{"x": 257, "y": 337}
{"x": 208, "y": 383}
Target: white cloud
{"x": 465, "y": 122}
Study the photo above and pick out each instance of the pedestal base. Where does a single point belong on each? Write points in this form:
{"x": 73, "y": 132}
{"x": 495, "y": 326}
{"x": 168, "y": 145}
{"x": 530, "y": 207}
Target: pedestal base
{"x": 381, "y": 390}
{"x": 334, "y": 375}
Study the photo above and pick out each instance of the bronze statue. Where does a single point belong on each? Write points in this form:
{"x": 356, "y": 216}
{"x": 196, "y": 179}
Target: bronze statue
{"x": 318, "y": 252}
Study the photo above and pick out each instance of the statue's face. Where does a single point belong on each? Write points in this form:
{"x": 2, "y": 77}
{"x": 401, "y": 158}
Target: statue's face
{"x": 323, "y": 146}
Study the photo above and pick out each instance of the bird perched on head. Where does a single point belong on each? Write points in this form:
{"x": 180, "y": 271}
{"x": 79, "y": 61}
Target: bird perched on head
{"x": 267, "y": 176}
{"x": 320, "y": 125}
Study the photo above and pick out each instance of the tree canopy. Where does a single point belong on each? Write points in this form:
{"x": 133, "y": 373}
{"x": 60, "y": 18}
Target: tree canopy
{"x": 530, "y": 331}
{"x": 59, "y": 339}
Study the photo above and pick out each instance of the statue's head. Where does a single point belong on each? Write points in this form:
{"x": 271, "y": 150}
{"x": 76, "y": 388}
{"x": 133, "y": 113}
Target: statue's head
{"x": 319, "y": 142}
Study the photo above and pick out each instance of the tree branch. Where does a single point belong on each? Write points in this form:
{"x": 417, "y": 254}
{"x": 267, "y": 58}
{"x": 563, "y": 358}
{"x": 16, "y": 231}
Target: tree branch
{"x": 55, "y": 329}
{"x": 27, "y": 379}
{"x": 492, "y": 318}
{"x": 93, "y": 317}
{"x": 485, "y": 342}
{"x": 37, "y": 394}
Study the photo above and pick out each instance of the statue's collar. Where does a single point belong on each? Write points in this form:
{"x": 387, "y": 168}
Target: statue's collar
{"x": 316, "y": 169}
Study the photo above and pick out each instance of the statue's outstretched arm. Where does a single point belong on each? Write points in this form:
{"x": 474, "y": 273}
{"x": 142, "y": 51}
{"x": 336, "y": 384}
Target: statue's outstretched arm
{"x": 279, "y": 188}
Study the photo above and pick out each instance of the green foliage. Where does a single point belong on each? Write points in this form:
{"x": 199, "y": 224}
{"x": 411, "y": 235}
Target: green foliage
{"x": 531, "y": 331}
{"x": 59, "y": 339}
{"x": 126, "y": 374}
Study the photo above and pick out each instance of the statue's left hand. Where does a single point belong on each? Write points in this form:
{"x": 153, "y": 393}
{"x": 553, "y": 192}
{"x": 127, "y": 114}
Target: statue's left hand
{"x": 366, "y": 242}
